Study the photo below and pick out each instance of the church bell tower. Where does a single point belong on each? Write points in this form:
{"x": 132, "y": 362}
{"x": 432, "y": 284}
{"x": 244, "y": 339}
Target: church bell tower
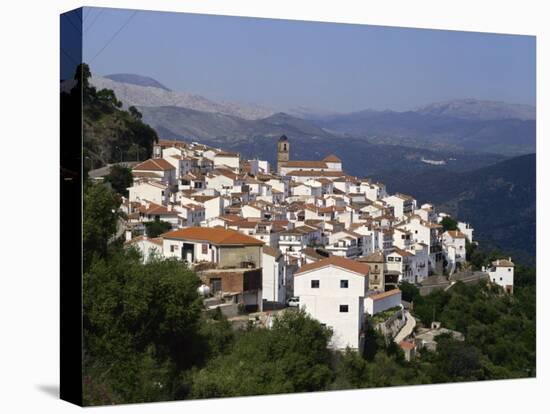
{"x": 283, "y": 149}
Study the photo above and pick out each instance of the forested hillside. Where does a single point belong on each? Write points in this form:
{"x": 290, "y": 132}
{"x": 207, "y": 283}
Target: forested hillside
{"x": 110, "y": 134}
{"x": 499, "y": 201}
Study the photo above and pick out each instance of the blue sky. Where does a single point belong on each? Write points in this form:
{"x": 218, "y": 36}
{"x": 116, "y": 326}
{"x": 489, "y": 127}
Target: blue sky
{"x": 286, "y": 64}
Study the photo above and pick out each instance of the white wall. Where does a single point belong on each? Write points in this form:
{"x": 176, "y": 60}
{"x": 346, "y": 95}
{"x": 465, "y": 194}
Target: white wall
{"x": 323, "y": 303}
{"x": 273, "y": 288}
{"x": 372, "y": 307}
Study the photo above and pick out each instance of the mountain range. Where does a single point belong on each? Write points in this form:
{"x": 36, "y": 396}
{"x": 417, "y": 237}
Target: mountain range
{"x": 458, "y": 126}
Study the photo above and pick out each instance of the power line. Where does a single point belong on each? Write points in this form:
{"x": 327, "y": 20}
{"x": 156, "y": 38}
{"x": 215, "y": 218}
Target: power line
{"x": 94, "y": 20}
{"x": 114, "y": 35}
{"x": 69, "y": 56}
{"x": 71, "y": 22}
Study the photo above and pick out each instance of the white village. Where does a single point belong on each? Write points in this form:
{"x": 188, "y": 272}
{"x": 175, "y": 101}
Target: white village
{"x": 300, "y": 234}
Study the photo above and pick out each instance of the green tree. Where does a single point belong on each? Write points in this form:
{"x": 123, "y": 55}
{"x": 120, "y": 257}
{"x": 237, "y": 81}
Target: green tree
{"x": 134, "y": 112}
{"x": 120, "y": 178}
{"x": 157, "y": 227}
{"x": 99, "y": 220}
{"x": 141, "y": 327}
{"x": 449, "y": 223}
{"x": 409, "y": 292}
{"x": 290, "y": 357}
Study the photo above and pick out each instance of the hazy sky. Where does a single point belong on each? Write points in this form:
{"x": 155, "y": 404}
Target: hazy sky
{"x": 286, "y": 64}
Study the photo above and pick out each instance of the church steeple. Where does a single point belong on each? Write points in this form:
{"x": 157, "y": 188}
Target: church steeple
{"x": 283, "y": 149}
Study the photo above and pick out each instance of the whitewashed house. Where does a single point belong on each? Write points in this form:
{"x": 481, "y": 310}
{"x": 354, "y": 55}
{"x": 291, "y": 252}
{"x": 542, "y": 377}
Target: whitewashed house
{"x": 227, "y": 159}
{"x": 402, "y": 204}
{"x": 148, "y": 247}
{"x": 155, "y": 169}
{"x": 153, "y": 191}
{"x": 379, "y": 302}
{"x": 501, "y": 272}
{"x": 457, "y": 240}
{"x": 333, "y": 291}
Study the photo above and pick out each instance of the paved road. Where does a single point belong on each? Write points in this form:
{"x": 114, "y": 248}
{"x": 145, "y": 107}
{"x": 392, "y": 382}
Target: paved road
{"x": 407, "y": 329}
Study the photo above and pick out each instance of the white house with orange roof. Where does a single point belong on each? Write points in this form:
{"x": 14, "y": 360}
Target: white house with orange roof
{"x": 402, "y": 204}
{"x": 501, "y": 272}
{"x": 400, "y": 261}
{"x": 227, "y": 159}
{"x": 456, "y": 240}
{"x": 333, "y": 291}
{"x": 345, "y": 243}
{"x": 333, "y": 162}
{"x": 155, "y": 169}
{"x": 152, "y": 191}
{"x": 148, "y": 247}
{"x": 379, "y": 302}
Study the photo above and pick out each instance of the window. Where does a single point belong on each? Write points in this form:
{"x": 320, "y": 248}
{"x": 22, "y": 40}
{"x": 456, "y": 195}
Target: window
{"x": 509, "y": 269}
{"x": 397, "y": 259}
{"x": 344, "y": 308}
{"x": 344, "y": 284}
{"x": 173, "y": 248}
{"x": 216, "y": 284}
{"x": 390, "y": 259}
{"x": 501, "y": 279}
{"x": 315, "y": 284}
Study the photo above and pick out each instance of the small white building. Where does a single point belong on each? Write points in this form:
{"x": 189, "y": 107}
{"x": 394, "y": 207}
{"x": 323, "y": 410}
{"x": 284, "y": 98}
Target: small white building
{"x": 148, "y": 247}
{"x": 153, "y": 191}
{"x": 402, "y": 204}
{"x": 227, "y": 159}
{"x": 333, "y": 291}
{"x": 380, "y": 302}
{"x": 501, "y": 272}
{"x": 457, "y": 240}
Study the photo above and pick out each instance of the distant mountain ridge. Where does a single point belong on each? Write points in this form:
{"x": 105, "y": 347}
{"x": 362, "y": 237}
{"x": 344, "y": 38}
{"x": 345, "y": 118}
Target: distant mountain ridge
{"x": 459, "y": 126}
{"x": 435, "y": 129}
{"x": 134, "y": 79}
{"x": 479, "y": 110}
{"x": 153, "y": 96}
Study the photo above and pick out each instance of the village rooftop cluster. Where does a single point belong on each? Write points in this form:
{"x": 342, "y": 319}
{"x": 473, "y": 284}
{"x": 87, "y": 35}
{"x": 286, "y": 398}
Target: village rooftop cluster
{"x": 301, "y": 232}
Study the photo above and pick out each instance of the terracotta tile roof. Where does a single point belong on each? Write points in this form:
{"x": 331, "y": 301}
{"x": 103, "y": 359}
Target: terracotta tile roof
{"x": 402, "y": 252}
{"x": 375, "y": 257}
{"x": 305, "y": 164}
{"x": 172, "y": 143}
{"x": 156, "y": 164}
{"x": 407, "y": 345}
{"x": 216, "y": 235}
{"x": 276, "y": 253}
{"x": 455, "y": 234}
{"x": 156, "y": 209}
{"x": 145, "y": 174}
{"x": 227, "y": 154}
{"x": 335, "y": 261}
{"x": 316, "y": 253}
{"x": 384, "y": 295}
{"x": 155, "y": 240}
{"x": 296, "y": 173}
{"x": 503, "y": 263}
{"x": 332, "y": 158}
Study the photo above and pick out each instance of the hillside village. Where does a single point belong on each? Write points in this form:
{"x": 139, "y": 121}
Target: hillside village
{"x": 300, "y": 233}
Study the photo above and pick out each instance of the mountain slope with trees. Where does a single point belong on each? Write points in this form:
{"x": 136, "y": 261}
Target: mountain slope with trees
{"x": 498, "y": 200}
{"x": 110, "y": 134}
